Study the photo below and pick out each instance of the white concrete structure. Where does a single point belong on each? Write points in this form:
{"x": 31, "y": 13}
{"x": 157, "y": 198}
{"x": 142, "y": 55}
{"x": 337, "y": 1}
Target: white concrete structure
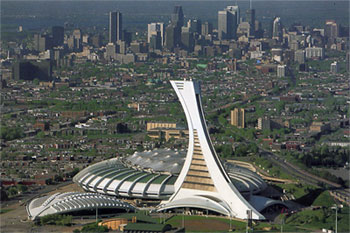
{"x": 203, "y": 182}
{"x": 62, "y": 203}
{"x": 152, "y": 174}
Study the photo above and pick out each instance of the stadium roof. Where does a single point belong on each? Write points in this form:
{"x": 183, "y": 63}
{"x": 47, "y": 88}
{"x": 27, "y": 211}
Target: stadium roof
{"x": 151, "y": 175}
{"x": 60, "y": 203}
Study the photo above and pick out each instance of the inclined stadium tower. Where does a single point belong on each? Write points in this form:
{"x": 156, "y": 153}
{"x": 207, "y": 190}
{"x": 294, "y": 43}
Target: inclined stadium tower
{"x": 195, "y": 178}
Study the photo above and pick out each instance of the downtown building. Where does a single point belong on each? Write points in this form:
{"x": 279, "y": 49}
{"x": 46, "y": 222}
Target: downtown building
{"x": 227, "y": 23}
{"x": 115, "y": 27}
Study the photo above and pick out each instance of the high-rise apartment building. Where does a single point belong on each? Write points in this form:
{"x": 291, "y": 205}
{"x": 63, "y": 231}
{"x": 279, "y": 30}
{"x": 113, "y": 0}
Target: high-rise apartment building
{"x": 115, "y": 27}
{"x": 238, "y": 118}
{"x": 281, "y": 71}
{"x": 264, "y": 123}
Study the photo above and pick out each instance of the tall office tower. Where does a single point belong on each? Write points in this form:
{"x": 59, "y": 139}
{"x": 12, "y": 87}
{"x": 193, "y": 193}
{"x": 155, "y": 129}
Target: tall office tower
{"x": 57, "y": 35}
{"x": 238, "y": 118}
{"x": 331, "y": 31}
{"x": 277, "y": 29}
{"x": 96, "y": 41}
{"x": 195, "y": 25}
{"x": 207, "y": 28}
{"x": 203, "y": 181}
{"x": 77, "y": 34}
{"x": 236, "y": 11}
{"x": 227, "y": 25}
{"x": 78, "y": 39}
{"x": 42, "y": 42}
{"x": 170, "y": 32}
{"x": 154, "y": 29}
{"x": 115, "y": 27}
{"x": 187, "y": 41}
{"x": 127, "y": 37}
{"x": 233, "y": 20}
{"x": 251, "y": 20}
{"x": 177, "y": 17}
{"x": 155, "y": 41}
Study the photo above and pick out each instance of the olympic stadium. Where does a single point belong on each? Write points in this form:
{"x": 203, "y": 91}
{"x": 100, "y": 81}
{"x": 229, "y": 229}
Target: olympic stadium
{"x": 76, "y": 203}
{"x": 151, "y": 175}
{"x": 167, "y": 179}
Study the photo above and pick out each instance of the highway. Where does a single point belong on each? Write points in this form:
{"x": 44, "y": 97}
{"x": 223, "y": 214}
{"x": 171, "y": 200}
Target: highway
{"x": 302, "y": 175}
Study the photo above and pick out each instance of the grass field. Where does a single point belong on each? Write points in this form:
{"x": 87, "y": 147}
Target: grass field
{"x": 216, "y": 224}
{"x": 2, "y": 211}
{"x": 321, "y": 218}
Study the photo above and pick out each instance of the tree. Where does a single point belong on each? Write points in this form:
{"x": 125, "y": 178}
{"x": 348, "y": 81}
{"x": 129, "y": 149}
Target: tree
{"x": 11, "y": 133}
{"x": 22, "y": 188}
{"x": 36, "y": 81}
{"x": 94, "y": 227}
{"x": 13, "y": 191}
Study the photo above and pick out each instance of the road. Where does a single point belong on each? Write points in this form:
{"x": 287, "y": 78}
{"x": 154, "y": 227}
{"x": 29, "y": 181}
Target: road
{"x": 301, "y": 174}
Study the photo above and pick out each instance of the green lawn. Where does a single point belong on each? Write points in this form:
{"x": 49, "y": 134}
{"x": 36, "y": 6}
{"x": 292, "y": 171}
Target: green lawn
{"x": 321, "y": 218}
{"x": 271, "y": 169}
{"x": 298, "y": 190}
{"x": 324, "y": 199}
{"x": 3, "y": 211}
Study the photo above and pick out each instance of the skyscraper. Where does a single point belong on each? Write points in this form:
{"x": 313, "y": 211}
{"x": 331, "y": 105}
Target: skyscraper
{"x": 251, "y": 20}
{"x": 153, "y": 30}
{"x": 57, "y": 35}
{"x": 115, "y": 26}
{"x": 331, "y": 31}
{"x": 195, "y": 25}
{"x": 238, "y": 118}
{"x": 207, "y": 28}
{"x": 173, "y": 30}
{"x": 235, "y": 10}
{"x": 187, "y": 41}
{"x": 177, "y": 17}
{"x": 170, "y": 36}
{"x": 227, "y": 23}
{"x": 277, "y": 29}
